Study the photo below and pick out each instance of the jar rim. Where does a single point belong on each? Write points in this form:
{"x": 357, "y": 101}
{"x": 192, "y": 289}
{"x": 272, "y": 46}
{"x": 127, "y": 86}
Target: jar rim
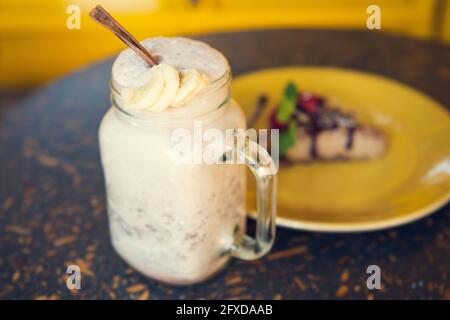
{"x": 187, "y": 110}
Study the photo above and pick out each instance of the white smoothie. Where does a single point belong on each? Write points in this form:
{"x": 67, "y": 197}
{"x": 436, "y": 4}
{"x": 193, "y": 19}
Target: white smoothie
{"x": 173, "y": 222}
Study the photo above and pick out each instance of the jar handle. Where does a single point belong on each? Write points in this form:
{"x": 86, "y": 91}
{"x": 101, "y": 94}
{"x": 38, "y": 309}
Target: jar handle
{"x": 263, "y": 168}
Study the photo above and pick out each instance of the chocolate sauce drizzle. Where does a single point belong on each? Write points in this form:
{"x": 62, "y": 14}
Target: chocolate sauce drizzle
{"x": 350, "y": 137}
{"x": 325, "y": 119}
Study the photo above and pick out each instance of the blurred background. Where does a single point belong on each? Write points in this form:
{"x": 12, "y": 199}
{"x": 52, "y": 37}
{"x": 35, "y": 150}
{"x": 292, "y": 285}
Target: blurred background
{"x": 36, "y": 46}
{"x": 52, "y": 190}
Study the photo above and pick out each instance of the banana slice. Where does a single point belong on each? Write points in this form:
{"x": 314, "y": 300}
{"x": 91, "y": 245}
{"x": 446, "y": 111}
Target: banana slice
{"x": 142, "y": 98}
{"x": 166, "y": 87}
{"x": 169, "y": 90}
{"x": 204, "y": 83}
{"x": 190, "y": 82}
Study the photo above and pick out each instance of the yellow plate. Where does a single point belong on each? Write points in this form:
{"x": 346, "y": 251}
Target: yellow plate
{"x": 410, "y": 181}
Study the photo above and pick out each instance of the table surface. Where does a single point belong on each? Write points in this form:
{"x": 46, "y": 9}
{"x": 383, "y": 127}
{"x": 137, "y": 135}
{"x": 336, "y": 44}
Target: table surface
{"x": 52, "y": 197}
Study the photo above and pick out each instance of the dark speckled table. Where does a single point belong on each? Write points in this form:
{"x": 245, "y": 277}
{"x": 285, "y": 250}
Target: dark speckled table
{"x": 52, "y": 197}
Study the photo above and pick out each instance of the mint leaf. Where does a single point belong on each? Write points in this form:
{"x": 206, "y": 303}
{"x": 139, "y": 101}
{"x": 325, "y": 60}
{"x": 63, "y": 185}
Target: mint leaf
{"x": 288, "y": 103}
{"x": 287, "y": 138}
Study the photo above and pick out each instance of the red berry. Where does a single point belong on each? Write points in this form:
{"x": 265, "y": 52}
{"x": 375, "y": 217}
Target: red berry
{"x": 309, "y": 102}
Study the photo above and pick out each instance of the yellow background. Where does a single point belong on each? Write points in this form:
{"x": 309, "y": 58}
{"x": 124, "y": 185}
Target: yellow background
{"x": 36, "y": 45}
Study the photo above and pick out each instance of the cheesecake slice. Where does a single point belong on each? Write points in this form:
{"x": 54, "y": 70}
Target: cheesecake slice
{"x": 360, "y": 143}
{"x": 312, "y": 129}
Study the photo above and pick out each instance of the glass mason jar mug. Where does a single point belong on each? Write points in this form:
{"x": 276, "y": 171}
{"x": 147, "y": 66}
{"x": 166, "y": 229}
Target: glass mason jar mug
{"x": 181, "y": 222}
